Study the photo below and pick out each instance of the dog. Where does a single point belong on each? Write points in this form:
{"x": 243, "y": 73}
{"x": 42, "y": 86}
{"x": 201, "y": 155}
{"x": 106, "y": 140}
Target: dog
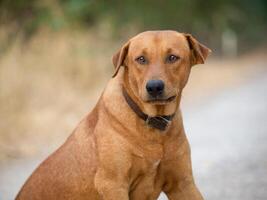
{"x": 132, "y": 146}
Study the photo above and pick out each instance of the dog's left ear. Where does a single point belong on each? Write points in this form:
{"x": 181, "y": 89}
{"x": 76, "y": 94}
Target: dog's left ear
{"x": 119, "y": 58}
{"x": 199, "y": 52}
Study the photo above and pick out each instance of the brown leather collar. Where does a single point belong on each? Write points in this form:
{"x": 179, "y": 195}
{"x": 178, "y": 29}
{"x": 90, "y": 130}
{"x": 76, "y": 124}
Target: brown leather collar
{"x": 160, "y": 122}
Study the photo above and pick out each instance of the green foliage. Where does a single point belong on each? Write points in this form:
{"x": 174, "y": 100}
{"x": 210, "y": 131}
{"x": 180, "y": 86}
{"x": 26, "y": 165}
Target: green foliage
{"x": 205, "y": 18}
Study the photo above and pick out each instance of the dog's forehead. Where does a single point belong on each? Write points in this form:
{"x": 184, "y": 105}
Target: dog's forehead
{"x": 158, "y": 39}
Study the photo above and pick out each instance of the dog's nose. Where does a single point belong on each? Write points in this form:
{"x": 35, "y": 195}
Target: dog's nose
{"x": 155, "y": 87}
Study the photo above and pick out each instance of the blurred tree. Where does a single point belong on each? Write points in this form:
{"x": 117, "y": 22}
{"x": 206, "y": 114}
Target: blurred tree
{"x": 208, "y": 19}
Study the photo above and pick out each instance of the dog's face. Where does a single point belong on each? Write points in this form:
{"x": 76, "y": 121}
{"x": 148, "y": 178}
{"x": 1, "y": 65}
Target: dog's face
{"x": 158, "y": 64}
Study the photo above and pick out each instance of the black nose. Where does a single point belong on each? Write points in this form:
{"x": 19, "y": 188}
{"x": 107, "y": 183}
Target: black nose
{"x": 155, "y": 87}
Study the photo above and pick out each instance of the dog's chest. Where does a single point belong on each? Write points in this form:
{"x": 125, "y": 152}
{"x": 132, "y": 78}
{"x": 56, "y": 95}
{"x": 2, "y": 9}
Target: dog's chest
{"x": 145, "y": 175}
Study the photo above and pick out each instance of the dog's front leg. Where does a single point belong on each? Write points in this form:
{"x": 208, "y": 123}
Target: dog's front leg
{"x": 111, "y": 186}
{"x": 182, "y": 188}
{"x": 180, "y": 183}
{"x": 184, "y": 191}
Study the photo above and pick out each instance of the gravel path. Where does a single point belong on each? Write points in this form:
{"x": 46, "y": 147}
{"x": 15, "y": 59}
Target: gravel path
{"x": 228, "y": 136}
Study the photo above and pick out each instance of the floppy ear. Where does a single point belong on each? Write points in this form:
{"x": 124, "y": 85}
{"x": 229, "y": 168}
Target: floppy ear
{"x": 199, "y": 52}
{"x": 119, "y": 58}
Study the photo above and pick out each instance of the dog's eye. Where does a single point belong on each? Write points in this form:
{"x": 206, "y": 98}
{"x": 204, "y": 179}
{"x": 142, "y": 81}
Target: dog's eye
{"x": 141, "y": 60}
{"x": 172, "y": 58}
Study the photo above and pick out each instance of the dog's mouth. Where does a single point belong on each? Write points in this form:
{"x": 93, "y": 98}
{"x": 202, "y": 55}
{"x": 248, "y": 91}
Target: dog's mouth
{"x": 161, "y": 100}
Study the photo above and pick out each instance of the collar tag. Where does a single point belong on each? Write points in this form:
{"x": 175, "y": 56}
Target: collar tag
{"x": 158, "y": 122}
{"x": 148, "y": 120}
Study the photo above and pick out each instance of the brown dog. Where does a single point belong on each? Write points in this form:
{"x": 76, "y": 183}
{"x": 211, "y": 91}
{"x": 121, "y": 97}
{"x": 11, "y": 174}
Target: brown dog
{"x": 132, "y": 145}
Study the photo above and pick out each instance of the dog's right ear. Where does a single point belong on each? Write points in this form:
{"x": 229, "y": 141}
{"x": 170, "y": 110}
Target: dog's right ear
{"x": 119, "y": 58}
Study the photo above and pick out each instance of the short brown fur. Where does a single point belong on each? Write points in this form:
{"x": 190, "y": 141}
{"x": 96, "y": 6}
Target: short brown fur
{"x": 113, "y": 154}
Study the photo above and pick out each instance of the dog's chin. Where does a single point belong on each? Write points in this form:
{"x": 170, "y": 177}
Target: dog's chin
{"x": 160, "y": 101}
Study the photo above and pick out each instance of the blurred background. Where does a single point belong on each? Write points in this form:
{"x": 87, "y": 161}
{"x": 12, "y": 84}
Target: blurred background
{"x": 55, "y": 59}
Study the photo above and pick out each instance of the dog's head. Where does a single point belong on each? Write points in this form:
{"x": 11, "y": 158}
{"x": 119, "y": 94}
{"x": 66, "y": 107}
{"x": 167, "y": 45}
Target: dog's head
{"x": 157, "y": 64}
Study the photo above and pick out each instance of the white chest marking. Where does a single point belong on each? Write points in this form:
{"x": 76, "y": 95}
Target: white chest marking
{"x": 155, "y": 165}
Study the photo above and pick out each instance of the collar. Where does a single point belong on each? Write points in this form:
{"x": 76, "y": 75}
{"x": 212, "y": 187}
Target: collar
{"x": 160, "y": 122}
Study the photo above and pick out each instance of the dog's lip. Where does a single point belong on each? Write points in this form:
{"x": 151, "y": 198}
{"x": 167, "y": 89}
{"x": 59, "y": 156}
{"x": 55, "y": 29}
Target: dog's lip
{"x": 162, "y": 100}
